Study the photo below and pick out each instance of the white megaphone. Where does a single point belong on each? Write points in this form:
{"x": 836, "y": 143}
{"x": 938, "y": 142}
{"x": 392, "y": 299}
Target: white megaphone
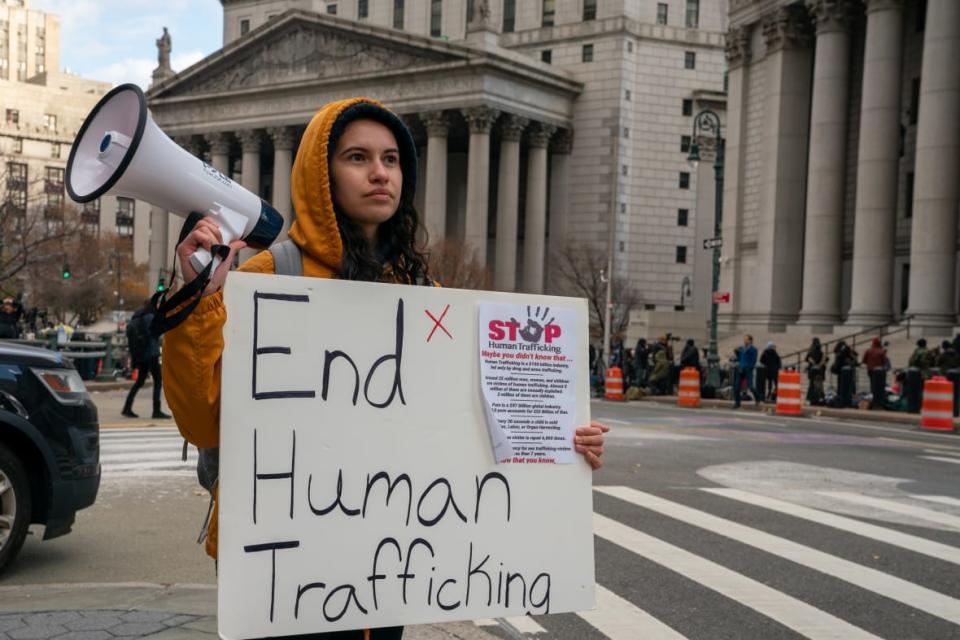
{"x": 120, "y": 149}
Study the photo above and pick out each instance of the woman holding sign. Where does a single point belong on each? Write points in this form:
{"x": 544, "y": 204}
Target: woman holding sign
{"x": 353, "y": 185}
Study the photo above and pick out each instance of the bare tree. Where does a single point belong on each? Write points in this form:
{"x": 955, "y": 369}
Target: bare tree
{"x": 578, "y": 270}
{"x": 453, "y": 265}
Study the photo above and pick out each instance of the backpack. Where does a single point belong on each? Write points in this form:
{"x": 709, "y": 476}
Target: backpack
{"x": 138, "y": 337}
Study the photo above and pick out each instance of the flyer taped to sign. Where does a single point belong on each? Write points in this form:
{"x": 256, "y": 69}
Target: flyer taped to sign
{"x": 527, "y": 359}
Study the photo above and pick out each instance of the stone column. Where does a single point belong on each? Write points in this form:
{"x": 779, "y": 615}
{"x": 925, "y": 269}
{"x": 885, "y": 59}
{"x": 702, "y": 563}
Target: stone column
{"x": 826, "y": 168}
{"x": 535, "y": 231}
{"x": 219, "y": 142}
{"x": 561, "y": 145}
{"x": 738, "y": 58}
{"x": 435, "y": 203}
{"x": 933, "y": 243}
{"x": 508, "y": 193}
{"x": 480, "y": 120}
{"x": 283, "y": 139}
{"x": 251, "y": 140}
{"x": 783, "y": 182}
{"x": 157, "y": 258}
{"x": 878, "y": 163}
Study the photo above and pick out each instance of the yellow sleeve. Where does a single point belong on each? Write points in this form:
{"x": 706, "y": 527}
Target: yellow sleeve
{"x": 191, "y": 364}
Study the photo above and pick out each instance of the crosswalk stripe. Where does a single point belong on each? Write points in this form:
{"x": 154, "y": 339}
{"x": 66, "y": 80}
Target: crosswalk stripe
{"x": 619, "y": 619}
{"x": 942, "y": 459}
{"x": 941, "y": 499}
{"x": 788, "y": 611}
{"x": 173, "y": 456}
{"x": 882, "y": 534}
{"x": 146, "y": 445}
{"x": 942, "y": 452}
{"x": 896, "y": 589}
{"x": 136, "y": 466}
{"x": 525, "y": 624}
{"x": 896, "y": 507}
{"x": 145, "y": 432}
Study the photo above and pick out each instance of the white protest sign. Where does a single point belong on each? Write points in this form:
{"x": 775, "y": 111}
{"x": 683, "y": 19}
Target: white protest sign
{"x": 358, "y": 485}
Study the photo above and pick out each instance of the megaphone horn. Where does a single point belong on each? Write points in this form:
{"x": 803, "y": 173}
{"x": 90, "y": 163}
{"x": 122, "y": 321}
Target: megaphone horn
{"x": 121, "y": 150}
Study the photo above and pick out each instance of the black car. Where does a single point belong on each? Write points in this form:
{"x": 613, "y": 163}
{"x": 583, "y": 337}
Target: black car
{"x": 49, "y": 445}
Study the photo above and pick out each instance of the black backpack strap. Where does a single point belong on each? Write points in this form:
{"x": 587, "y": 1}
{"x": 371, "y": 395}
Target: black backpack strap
{"x": 166, "y": 316}
{"x": 286, "y": 259}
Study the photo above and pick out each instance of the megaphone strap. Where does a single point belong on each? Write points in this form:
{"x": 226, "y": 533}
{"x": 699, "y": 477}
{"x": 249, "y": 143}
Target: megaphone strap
{"x": 170, "y": 313}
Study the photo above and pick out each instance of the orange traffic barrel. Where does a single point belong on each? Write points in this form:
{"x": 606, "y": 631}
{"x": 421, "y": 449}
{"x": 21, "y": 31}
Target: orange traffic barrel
{"x": 788, "y": 393}
{"x": 614, "y": 384}
{"x": 689, "y": 395}
{"x": 937, "y": 410}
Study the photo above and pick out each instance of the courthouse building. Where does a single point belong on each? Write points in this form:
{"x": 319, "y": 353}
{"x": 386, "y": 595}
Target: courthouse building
{"x": 42, "y": 110}
{"x": 538, "y": 122}
{"x": 843, "y": 163}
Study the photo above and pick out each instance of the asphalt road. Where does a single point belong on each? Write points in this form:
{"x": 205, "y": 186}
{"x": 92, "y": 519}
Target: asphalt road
{"x": 709, "y": 524}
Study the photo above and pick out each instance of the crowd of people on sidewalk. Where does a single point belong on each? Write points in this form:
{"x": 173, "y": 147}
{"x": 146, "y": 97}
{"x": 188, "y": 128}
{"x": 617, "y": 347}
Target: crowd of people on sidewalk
{"x": 652, "y": 368}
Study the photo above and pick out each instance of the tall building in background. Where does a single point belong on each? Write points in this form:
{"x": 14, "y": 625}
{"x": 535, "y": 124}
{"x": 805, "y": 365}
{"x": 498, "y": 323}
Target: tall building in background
{"x": 42, "y": 109}
{"x": 540, "y": 123}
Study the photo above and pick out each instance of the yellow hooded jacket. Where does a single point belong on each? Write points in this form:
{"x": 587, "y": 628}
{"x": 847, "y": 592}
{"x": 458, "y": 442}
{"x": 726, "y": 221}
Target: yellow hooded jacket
{"x": 192, "y": 351}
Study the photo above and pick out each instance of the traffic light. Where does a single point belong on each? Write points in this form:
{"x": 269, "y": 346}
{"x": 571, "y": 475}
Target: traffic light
{"x": 66, "y": 271}
{"x": 161, "y": 285}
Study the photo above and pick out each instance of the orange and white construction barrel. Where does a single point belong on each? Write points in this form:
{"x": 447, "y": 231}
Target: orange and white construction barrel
{"x": 689, "y": 395}
{"x": 788, "y": 393}
{"x": 614, "y": 384}
{"x": 937, "y": 412}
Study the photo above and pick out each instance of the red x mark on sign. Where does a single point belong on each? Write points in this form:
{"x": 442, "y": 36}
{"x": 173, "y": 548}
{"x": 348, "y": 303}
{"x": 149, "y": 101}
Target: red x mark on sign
{"x": 437, "y": 324}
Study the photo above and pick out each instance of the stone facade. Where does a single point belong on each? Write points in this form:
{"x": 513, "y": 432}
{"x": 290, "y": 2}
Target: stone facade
{"x": 531, "y": 134}
{"x": 842, "y": 204}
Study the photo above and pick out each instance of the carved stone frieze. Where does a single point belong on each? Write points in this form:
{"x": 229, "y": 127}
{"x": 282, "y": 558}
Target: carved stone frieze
{"x": 436, "y": 123}
{"x": 738, "y": 45}
{"x": 219, "y": 142}
{"x": 480, "y": 119}
{"x": 540, "y": 134}
{"x": 282, "y": 137}
{"x": 831, "y": 15}
{"x": 512, "y": 126}
{"x": 787, "y": 28}
{"x": 306, "y": 52}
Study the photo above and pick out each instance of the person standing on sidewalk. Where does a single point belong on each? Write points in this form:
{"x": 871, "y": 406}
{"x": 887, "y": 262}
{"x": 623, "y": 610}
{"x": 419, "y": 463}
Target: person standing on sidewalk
{"x": 771, "y": 362}
{"x": 145, "y": 358}
{"x": 744, "y": 373}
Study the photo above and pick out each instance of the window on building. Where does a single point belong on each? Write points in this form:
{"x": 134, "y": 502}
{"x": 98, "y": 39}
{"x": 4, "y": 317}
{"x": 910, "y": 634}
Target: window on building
{"x": 53, "y": 180}
{"x": 55, "y": 150}
{"x": 684, "y": 144}
{"x": 683, "y": 217}
{"x": 363, "y": 9}
{"x": 689, "y": 60}
{"x": 53, "y": 208}
{"x": 436, "y": 17}
{"x": 398, "y": 10}
{"x": 681, "y": 255}
{"x": 50, "y": 121}
{"x": 244, "y": 26}
{"x": 662, "y": 8}
{"x": 509, "y": 16}
{"x": 125, "y": 217}
{"x": 620, "y": 246}
{"x": 549, "y": 13}
{"x": 471, "y": 5}
{"x": 589, "y": 9}
{"x": 908, "y": 196}
{"x": 687, "y": 107}
{"x": 332, "y": 9}
{"x": 693, "y": 14}
{"x": 17, "y": 179}
{"x": 623, "y": 207}
{"x": 684, "y": 180}
{"x": 921, "y": 21}
{"x": 18, "y": 145}
{"x": 914, "y": 100}
{"x": 624, "y": 170}
{"x": 626, "y": 132}
{"x": 546, "y": 56}
{"x": 629, "y": 46}
{"x": 587, "y": 55}
{"x": 627, "y": 95}
{"x": 13, "y": 116}
{"x": 90, "y": 217}
{"x": 40, "y": 50}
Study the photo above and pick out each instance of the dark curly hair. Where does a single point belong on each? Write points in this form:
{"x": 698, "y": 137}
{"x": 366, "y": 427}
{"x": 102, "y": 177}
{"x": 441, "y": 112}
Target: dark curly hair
{"x": 394, "y": 252}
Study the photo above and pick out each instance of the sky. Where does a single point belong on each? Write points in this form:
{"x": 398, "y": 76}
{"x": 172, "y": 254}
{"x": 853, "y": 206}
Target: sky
{"x": 115, "y": 40}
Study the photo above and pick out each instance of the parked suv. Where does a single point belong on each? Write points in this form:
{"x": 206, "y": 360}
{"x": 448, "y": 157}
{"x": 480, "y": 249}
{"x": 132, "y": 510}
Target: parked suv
{"x": 49, "y": 445}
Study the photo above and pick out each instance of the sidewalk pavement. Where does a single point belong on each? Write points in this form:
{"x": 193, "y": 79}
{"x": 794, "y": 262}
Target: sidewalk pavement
{"x": 809, "y": 411}
{"x": 142, "y": 610}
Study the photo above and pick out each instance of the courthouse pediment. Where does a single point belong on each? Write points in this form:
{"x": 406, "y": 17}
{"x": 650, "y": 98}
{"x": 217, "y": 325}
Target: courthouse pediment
{"x": 301, "y": 46}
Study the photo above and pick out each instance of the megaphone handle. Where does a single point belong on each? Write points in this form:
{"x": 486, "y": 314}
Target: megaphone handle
{"x": 201, "y": 258}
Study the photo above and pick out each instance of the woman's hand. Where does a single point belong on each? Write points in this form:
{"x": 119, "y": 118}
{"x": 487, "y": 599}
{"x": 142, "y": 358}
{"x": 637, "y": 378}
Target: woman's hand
{"x": 589, "y": 442}
{"x": 206, "y": 234}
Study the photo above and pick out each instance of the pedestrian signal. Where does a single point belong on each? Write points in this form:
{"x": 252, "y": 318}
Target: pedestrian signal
{"x": 66, "y": 271}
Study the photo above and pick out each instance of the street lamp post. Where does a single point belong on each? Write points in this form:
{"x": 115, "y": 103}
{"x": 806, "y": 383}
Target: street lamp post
{"x": 707, "y": 122}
